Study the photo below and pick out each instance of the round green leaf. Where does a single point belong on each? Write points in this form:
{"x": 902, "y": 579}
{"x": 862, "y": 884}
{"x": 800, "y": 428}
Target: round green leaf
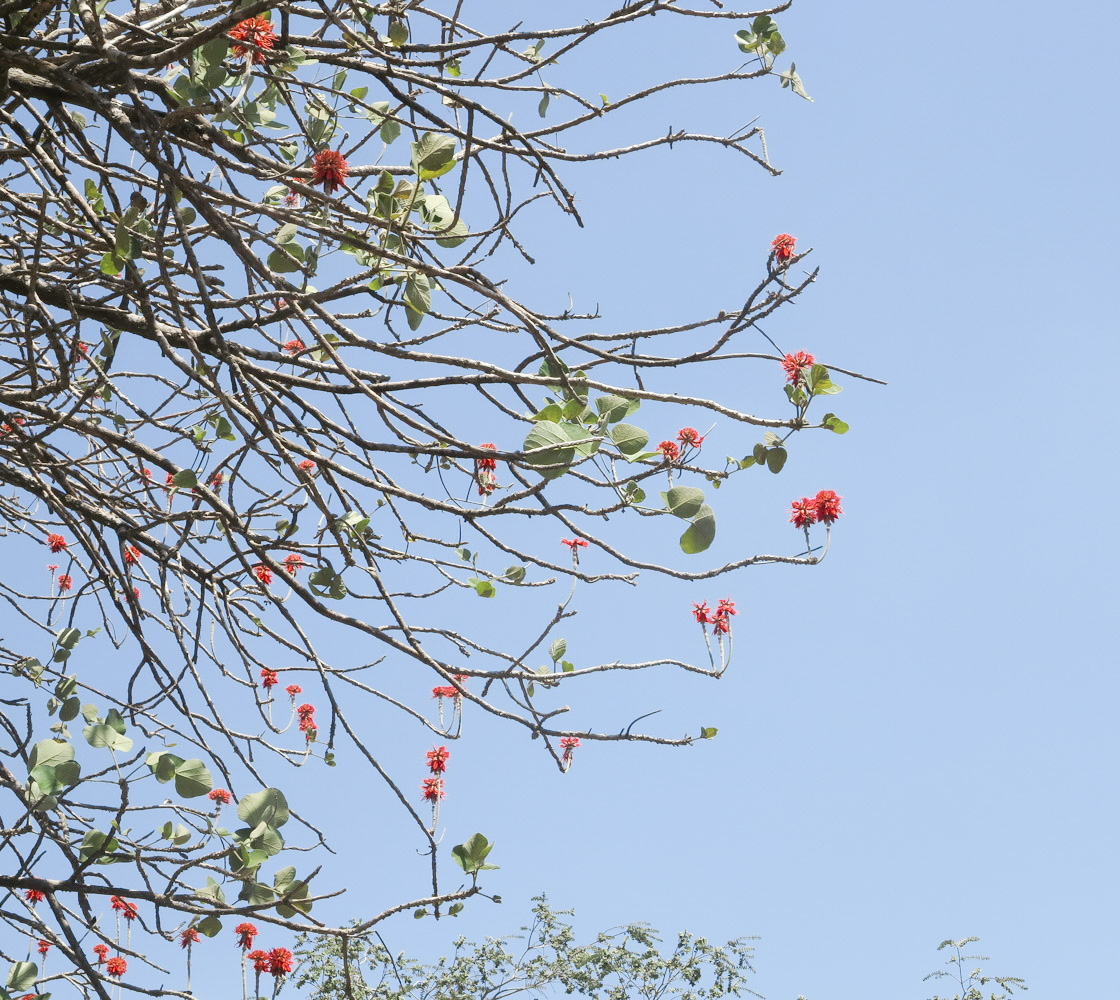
{"x": 701, "y": 533}
{"x": 629, "y": 439}
{"x": 267, "y": 806}
{"x": 192, "y": 779}
{"x": 684, "y": 501}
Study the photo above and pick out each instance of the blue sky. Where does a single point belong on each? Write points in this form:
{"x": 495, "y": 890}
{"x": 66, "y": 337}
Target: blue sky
{"x": 917, "y": 740}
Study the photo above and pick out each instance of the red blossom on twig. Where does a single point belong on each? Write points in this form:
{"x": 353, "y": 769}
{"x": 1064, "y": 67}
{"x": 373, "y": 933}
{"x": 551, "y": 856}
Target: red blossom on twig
{"x": 826, "y": 505}
{"x": 65, "y": 581}
{"x": 432, "y": 789}
{"x": 245, "y": 934}
{"x": 101, "y": 950}
{"x": 292, "y": 563}
{"x": 803, "y": 513}
{"x": 293, "y": 690}
{"x": 57, "y": 543}
{"x": 188, "y": 937}
{"x": 252, "y": 31}
{"x": 259, "y": 959}
{"x": 783, "y": 246}
{"x": 124, "y": 907}
{"x": 795, "y": 366}
{"x": 219, "y": 795}
{"x": 263, "y": 573}
{"x": 116, "y": 966}
{"x": 670, "y": 450}
{"x": 574, "y": 543}
{"x": 33, "y": 895}
{"x": 279, "y": 961}
{"x": 437, "y": 759}
{"x": 689, "y": 435}
{"x": 269, "y": 678}
{"x": 43, "y": 947}
{"x": 330, "y": 169}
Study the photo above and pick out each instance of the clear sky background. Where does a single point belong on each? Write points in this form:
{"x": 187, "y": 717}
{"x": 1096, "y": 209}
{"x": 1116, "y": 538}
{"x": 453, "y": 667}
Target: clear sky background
{"x": 917, "y": 739}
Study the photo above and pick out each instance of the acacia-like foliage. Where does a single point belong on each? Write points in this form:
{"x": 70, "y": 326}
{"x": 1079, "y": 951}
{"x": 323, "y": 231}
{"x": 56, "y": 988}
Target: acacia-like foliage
{"x": 271, "y": 414}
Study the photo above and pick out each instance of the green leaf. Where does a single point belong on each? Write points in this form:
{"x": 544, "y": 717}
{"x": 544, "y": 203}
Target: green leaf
{"x": 163, "y": 765}
{"x": 267, "y": 806}
{"x": 760, "y": 454}
{"x": 551, "y": 412}
{"x": 209, "y": 926}
{"x": 433, "y": 156}
{"x": 701, "y": 533}
{"x": 614, "y": 408}
{"x": 192, "y": 779}
{"x": 791, "y": 78}
{"x": 68, "y": 637}
{"x": 102, "y": 735}
{"x": 287, "y": 233}
{"x": 629, "y": 439}
{"x": 390, "y": 131}
{"x": 684, "y": 501}
{"x": 514, "y": 574}
{"x": 211, "y": 891}
{"x": 547, "y": 434}
{"x": 542, "y": 108}
{"x": 776, "y": 459}
{"x": 453, "y": 67}
{"x": 22, "y": 976}
{"x": 398, "y": 33}
{"x": 96, "y": 845}
{"x": 53, "y": 778}
{"x": 471, "y": 856}
{"x": 707, "y": 732}
{"x": 484, "y": 588}
{"x": 438, "y": 215}
{"x": 184, "y": 479}
{"x": 115, "y": 721}
{"x": 70, "y": 709}
{"x": 287, "y": 259}
{"x": 585, "y": 442}
{"x": 834, "y": 424}
{"x": 417, "y": 293}
{"x": 557, "y": 650}
{"x": 111, "y": 264}
{"x": 359, "y": 93}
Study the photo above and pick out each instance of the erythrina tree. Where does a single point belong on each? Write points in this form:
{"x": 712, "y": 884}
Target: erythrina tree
{"x": 270, "y": 413}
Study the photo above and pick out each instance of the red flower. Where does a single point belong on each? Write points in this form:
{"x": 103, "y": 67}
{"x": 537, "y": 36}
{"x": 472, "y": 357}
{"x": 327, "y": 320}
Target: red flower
{"x": 57, "y": 543}
{"x": 216, "y": 480}
{"x": 329, "y": 169}
{"x": 136, "y": 593}
{"x": 725, "y": 607}
{"x": 689, "y": 435}
{"x": 437, "y": 759}
{"x": 33, "y": 895}
{"x": 461, "y": 678}
{"x": 702, "y": 612}
{"x": 783, "y": 245}
{"x": 269, "y": 678}
{"x": 279, "y": 961}
{"x": 126, "y": 909}
{"x": 259, "y": 960}
{"x": 101, "y": 950}
{"x": 219, "y": 795}
{"x": 307, "y": 465}
{"x": 721, "y": 620}
{"x": 803, "y": 513}
{"x": 568, "y": 744}
{"x": 116, "y": 966}
{"x": 188, "y": 937}
{"x": 292, "y": 563}
{"x": 484, "y": 472}
{"x": 147, "y": 473}
{"x": 826, "y": 505}
{"x": 252, "y": 31}
{"x": 574, "y": 543}
{"x": 131, "y": 554}
{"x": 670, "y": 450}
{"x": 44, "y": 947}
{"x": 293, "y": 690}
{"x": 432, "y": 789}
{"x": 795, "y": 366}
{"x": 245, "y": 934}
{"x": 64, "y": 581}
{"x": 306, "y": 715}
{"x": 294, "y": 346}
{"x": 263, "y": 573}
{"x": 51, "y": 567}
{"x": 292, "y": 199}
{"x": 445, "y": 692}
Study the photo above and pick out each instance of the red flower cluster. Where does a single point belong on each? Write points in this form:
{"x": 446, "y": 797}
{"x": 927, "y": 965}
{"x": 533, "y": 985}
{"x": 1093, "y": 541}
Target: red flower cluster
{"x": 57, "y": 543}
{"x": 131, "y": 554}
{"x": 795, "y": 366}
{"x": 126, "y": 909}
{"x": 188, "y": 937}
{"x": 484, "y": 472}
{"x": 568, "y": 744}
{"x": 330, "y": 169}
{"x": 252, "y": 31}
{"x": 446, "y": 691}
{"x": 293, "y": 690}
{"x": 279, "y": 961}
{"x": 307, "y": 466}
{"x": 263, "y": 573}
{"x": 670, "y": 450}
{"x": 294, "y": 346}
{"x": 245, "y": 934}
{"x": 292, "y": 563}
{"x": 219, "y": 795}
{"x": 269, "y": 678}
{"x": 783, "y": 246}
{"x": 33, "y": 896}
{"x": 574, "y": 543}
{"x": 437, "y": 759}
{"x": 101, "y": 950}
{"x": 259, "y": 960}
{"x": 307, "y": 726}
{"x": 216, "y": 480}
{"x": 824, "y": 507}
{"x": 65, "y": 581}
{"x": 44, "y": 947}
{"x": 720, "y": 619}
{"x": 432, "y": 789}
{"x": 116, "y": 966}
{"x": 690, "y": 436}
